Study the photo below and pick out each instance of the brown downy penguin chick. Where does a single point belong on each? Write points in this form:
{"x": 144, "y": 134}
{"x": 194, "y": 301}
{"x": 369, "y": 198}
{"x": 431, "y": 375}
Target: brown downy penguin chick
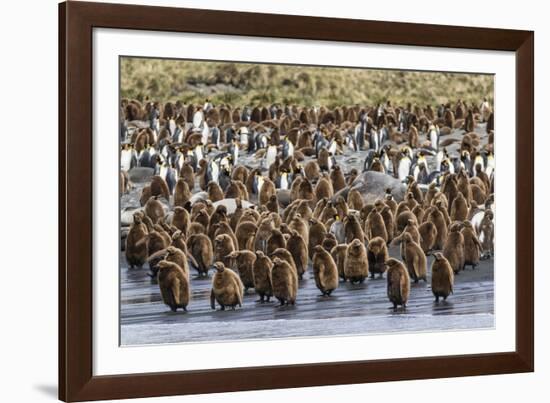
{"x": 265, "y": 229}
{"x": 317, "y": 233}
{"x": 201, "y": 173}
{"x": 428, "y": 236}
{"x": 219, "y": 215}
{"x": 415, "y": 259}
{"x": 180, "y": 220}
{"x": 412, "y": 230}
{"x": 202, "y": 217}
{"x": 305, "y": 191}
{"x": 430, "y": 193}
{"x": 155, "y": 242}
{"x": 182, "y": 194}
{"x": 389, "y": 222}
{"x": 459, "y": 208}
{"x": 178, "y": 240}
{"x": 337, "y": 178}
{"x": 454, "y": 247}
{"x": 136, "y": 243}
{"x": 200, "y": 247}
{"x": 398, "y": 282}
{"x": 298, "y": 224}
{"x": 154, "y": 209}
{"x": 418, "y": 211}
{"x": 275, "y": 241}
{"x": 178, "y": 257}
{"x": 146, "y": 195}
{"x": 242, "y": 262}
{"x": 227, "y": 288}
{"x": 355, "y": 200}
{"x": 223, "y": 227}
{"x": 329, "y": 242}
{"x": 196, "y": 228}
{"x": 233, "y": 191}
{"x": 215, "y": 192}
{"x": 323, "y": 188}
{"x": 486, "y": 234}
{"x": 319, "y": 207}
{"x": 246, "y": 233}
{"x": 377, "y": 254}
{"x": 329, "y": 213}
{"x": 273, "y": 204}
{"x": 324, "y": 271}
{"x": 268, "y": 189}
{"x": 295, "y": 188}
{"x": 472, "y": 246}
{"x": 390, "y": 202}
{"x": 236, "y": 216}
{"x": 188, "y": 175}
{"x": 403, "y": 220}
{"x": 223, "y": 247}
{"x": 415, "y": 191}
{"x": 341, "y": 206}
{"x": 478, "y": 195}
{"x": 442, "y": 277}
{"x": 339, "y": 253}
{"x": 374, "y": 226}
{"x": 356, "y": 267}
{"x": 464, "y": 186}
{"x": 352, "y": 229}
{"x": 159, "y": 187}
{"x": 353, "y": 174}
{"x": 312, "y": 170}
{"x": 285, "y": 255}
{"x": 240, "y": 173}
{"x": 324, "y": 159}
{"x": 174, "y": 285}
{"x": 299, "y": 251}
{"x": 284, "y": 282}
{"x": 262, "y": 276}
{"x": 436, "y": 217}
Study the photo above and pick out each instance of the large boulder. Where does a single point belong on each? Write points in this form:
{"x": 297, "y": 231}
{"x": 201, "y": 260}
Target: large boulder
{"x": 372, "y": 185}
{"x": 141, "y": 174}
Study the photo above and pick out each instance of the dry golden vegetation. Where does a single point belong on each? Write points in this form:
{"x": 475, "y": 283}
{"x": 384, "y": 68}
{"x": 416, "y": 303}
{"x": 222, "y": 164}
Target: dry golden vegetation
{"x": 252, "y": 84}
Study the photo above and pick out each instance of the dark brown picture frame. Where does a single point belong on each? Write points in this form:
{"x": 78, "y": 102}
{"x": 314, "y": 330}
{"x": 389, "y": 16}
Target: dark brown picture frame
{"x": 76, "y": 23}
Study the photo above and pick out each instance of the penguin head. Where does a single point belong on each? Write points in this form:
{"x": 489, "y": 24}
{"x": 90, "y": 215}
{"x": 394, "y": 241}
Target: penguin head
{"x": 219, "y": 267}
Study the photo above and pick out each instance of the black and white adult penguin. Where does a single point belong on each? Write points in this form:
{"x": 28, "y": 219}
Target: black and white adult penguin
{"x": 360, "y": 131}
{"x": 242, "y": 134}
{"x": 288, "y": 148}
{"x": 371, "y": 155}
{"x": 233, "y": 150}
{"x": 257, "y": 183}
{"x": 319, "y": 143}
{"x": 207, "y": 105}
{"x": 260, "y": 140}
{"x": 385, "y": 158}
{"x": 146, "y": 157}
{"x": 332, "y": 147}
{"x": 171, "y": 177}
{"x": 375, "y": 139}
{"x": 489, "y": 163}
{"x": 230, "y": 134}
{"x": 205, "y": 133}
{"x": 433, "y": 136}
{"x": 480, "y": 160}
{"x": 198, "y": 118}
{"x": 198, "y": 154}
{"x": 212, "y": 173}
{"x": 179, "y": 133}
{"x": 420, "y": 166}
{"x": 177, "y": 159}
{"x": 215, "y": 135}
{"x": 447, "y": 166}
{"x": 284, "y": 180}
{"x": 404, "y": 164}
{"x": 270, "y": 155}
{"x": 154, "y": 118}
{"x": 247, "y": 114}
{"x": 403, "y": 120}
{"x": 440, "y": 156}
{"x": 128, "y": 157}
{"x": 465, "y": 162}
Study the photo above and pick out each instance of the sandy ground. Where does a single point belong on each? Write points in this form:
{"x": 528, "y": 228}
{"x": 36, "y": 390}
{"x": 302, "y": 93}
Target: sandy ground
{"x": 352, "y": 309}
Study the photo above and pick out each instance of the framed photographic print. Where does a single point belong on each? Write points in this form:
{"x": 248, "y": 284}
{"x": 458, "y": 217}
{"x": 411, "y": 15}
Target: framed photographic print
{"x": 253, "y": 201}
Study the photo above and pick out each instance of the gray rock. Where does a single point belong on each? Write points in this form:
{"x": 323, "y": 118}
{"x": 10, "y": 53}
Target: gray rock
{"x": 140, "y": 174}
{"x": 373, "y": 185}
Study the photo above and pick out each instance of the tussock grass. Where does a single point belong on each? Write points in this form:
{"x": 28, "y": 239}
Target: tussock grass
{"x": 253, "y": 84}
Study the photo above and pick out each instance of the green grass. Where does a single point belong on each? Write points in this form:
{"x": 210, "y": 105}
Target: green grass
{"x": 255, "y": 84}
